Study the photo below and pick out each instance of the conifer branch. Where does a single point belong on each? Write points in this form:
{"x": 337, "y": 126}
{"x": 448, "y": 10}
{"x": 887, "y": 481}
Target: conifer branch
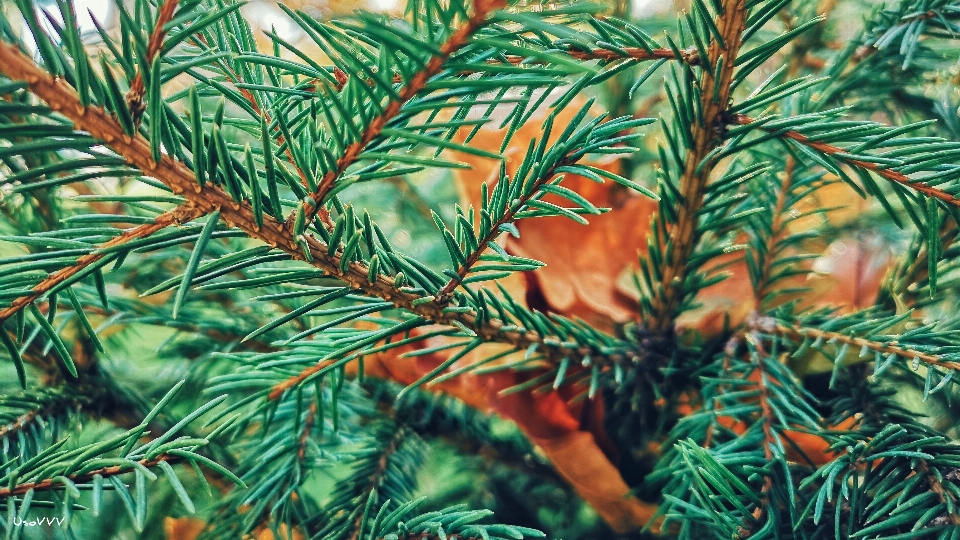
{"x": 135, "y": 94}
{"x": 776, "y": 230}
{"x": 767, "y": 417}
{"x": 715, "y": 97}
{"x": 209, "y": 198}
{"x": 890, "y": 347}
{"x": 417, "y": 82}
{"x": 294, "y": 381}
{"x": 842, "y": 155}
{"x": 277, "y": 131}
{"x": 446, "y": 293}
{"x": 377, "y": 476}
{"x": 26, "y": 419}
{"x": 913, "y": 268}
{"x": 176, "y": 216}
{"x": 307, "y": 429}
{"x": 688, "y": 55}
{"x": 51, "y": 484}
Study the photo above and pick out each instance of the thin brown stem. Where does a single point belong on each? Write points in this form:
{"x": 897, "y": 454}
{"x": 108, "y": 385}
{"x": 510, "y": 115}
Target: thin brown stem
{"x": 945, "y": 496}
{"x": 688, "y": 56}
{"x": 515, "y": 207}
{"x": 683, "y": 235}
{"x": 47, "y": 485}
{"x": 277, "y": 132}
{"x": 890, "y": 347}
{"x": 416, "y": 84}
{"x": 307, "y": 429}
{"x": 893, "y": 176}
{"x": 767, "y": 417}
{"x": 777, "y": 228}
{"x": 176, "y": 216}
{"x": 376, "y": 477}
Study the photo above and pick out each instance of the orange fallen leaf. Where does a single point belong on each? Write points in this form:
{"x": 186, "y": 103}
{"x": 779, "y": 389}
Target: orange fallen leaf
{"x": 563, "y": 431}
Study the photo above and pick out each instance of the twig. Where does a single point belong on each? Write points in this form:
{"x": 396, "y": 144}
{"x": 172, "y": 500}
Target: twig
{"x": 891, "y": 347}
{"x": 443, "y": 297}
{"x": 376, "y": 477}
{"x": 944, "y": 495}
{"x": 776, "y": 230}
{"x": 135, "y": 95}
{"x": 47, "y": 485}
{"x": 714, "y": 101}
{"x": 175, "y": 216}
{"x": 831, "y": 150}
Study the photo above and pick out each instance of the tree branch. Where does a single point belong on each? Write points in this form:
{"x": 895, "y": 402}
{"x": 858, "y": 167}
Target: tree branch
{"x": 135, "y": 94}
{"x": 840, "y": 153}
{"x": 715, "y": 98}
{"x": 891, "y": 347}
{"x": 482, "y": 8}
{"x": 443, "y": 297}
{"x": 175, "y": 216}
{"x": 207, "y": 198}
{"x": 50, "y": 484}
{"x": 946, "y": 497}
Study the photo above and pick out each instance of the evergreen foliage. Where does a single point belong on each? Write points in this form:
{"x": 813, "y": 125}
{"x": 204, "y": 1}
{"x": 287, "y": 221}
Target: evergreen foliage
{"x": 174, "y": 179}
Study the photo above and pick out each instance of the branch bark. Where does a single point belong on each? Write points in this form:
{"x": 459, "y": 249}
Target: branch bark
{"x": 839, "y": 153}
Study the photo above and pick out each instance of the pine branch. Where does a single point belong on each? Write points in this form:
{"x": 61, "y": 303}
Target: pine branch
{"x": 416, "y": 83}
{"x": 277, "y": 131}
{"x": 767, "y": 417}
{"x": 715, "y": 97}
{"x": 177, "y": 216}
{"x": 50, "y": 404}
{"x": 914, "y": 268}
{"x": 687, "y": 56}
{"x": 208, "y": 198}
{"x": 106, "y": 472}
{"x": 443, "y": 297}
{"x": 844, "y": 156}
{"x": 777, "y": 228}
{"x": 890, "y": 347}
{"x": 946, "y": 497}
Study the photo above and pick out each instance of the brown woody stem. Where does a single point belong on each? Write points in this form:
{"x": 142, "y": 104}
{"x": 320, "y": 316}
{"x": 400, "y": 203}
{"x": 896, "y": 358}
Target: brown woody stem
{"x": 945, "y": 496}
{"x": 893, "y": 176}
{"x": 47, "y": 485}
{"x": 891, "y": 347}
{"x": 135, "y": 94}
